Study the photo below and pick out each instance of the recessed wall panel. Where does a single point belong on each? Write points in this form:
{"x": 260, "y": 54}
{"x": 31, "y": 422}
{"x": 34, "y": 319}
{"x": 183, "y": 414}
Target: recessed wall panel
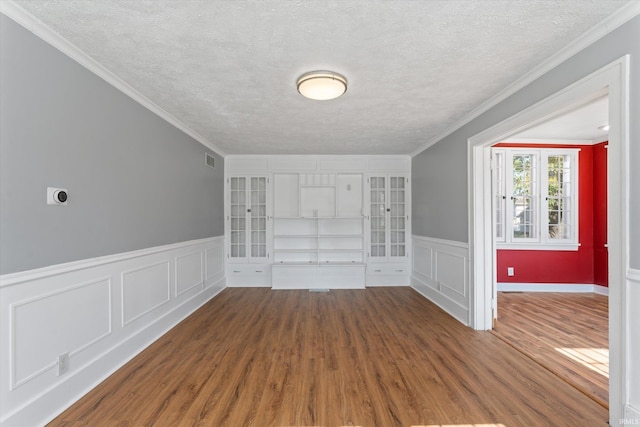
{"x": 422, "y": 261}
{"x": 451, "y": 271}
{"x": 214, "y": 260}
{"x": 61, "y": 322}
{"x": 143, "y": 290}
{"x": 188, "y": 272}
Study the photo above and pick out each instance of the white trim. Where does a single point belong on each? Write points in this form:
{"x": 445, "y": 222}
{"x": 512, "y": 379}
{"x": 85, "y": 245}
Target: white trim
{"x": 612, "y": 79}
{"x": 631, "y": 416}
{"x": 618, "y": 18}
{"x": 46, "y": 33}
{"x": 539, "y": 193}
{"x": 445, "y": 242}
{"x": 51, "y": 270}
{"x": 553, "y": 287}
{"x": 633, "y": 274}
{"x": 247, "y": 164}
{"x": 457, "y": 311}
{"x": 538, "y": 247}
{"x": 550, "y": 141}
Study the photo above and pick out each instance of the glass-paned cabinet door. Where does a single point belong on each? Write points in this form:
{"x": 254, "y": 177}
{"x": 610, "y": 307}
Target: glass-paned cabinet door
{"x": 247, "y": 219}
{"x": 238, "y": 217}
{"x": 258, "y": 211}
{"x": 397, "y": 216}
{"x": 378, "y": 217}
{"x": 388, "y": 217}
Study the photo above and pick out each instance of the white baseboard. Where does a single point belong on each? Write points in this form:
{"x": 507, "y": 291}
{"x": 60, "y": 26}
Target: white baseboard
{"x": 631, "y": 417}
{"x": 118, "y": 306}
{"x": 458, "y": 312}
{"x": 553, "y": 287}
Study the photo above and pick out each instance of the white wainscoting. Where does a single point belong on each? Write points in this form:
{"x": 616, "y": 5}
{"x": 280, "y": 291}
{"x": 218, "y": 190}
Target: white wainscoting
{"x": 440, "y": 272}
{"x": 101, "y": 312}
{"x": 632, "y": 408}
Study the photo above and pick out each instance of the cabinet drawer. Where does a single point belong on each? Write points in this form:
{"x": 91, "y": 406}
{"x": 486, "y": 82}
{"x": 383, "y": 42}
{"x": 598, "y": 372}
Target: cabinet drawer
{"x": 251, "y": 269}
{"x": 248, "y": 275}
{"x": 388, "y": 275}
{"x": 393, "y": 269}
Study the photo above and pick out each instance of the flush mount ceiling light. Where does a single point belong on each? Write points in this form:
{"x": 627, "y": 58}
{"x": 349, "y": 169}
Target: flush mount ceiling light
{"x": 604, "y": 127}
{"x": 322, "y": 85}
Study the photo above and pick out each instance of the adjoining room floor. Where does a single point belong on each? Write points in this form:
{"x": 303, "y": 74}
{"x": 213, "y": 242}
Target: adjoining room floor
{"x": 565, "y": 332}
{"x": 374, "y": 357}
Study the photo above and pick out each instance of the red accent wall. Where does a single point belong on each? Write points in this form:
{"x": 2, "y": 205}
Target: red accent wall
{"x": 586, "y": 265}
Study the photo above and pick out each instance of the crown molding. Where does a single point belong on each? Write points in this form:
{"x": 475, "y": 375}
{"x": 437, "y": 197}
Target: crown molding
{"x": 558, "y": 141}
{"x": 613, "y": 21}
{"x": 46, "y": 33}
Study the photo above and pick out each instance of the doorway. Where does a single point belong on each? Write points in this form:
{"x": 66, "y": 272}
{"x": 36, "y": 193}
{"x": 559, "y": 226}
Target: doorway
{"x": 549, "y": 217}
{"x": 611, "y": 80}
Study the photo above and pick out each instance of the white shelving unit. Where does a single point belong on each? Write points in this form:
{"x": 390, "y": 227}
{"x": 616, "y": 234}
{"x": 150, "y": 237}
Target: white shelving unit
{"x": 317, "y": 248}
{"x": 319, "y": 229}
{"x": 318, "y": 240}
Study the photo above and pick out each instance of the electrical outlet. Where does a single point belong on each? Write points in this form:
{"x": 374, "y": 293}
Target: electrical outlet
{"x": 510, "y": 271}
{"x": 63, "y": 363}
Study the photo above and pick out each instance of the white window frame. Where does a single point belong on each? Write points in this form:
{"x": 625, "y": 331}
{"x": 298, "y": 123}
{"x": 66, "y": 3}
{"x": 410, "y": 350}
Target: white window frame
{"x": 541, "y": 240}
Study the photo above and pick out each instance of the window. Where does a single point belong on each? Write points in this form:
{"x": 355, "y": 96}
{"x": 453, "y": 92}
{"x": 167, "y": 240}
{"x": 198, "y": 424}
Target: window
{"x": 535, "y": 198}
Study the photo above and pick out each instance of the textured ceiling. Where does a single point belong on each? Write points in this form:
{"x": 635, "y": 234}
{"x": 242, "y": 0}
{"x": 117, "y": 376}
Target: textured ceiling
{"x": 227, "y": 69}
{"x": 580, "y": 124}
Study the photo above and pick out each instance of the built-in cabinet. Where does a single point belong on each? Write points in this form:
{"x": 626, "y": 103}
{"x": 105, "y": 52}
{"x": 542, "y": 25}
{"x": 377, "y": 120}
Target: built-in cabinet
{"x": 313, "y": 222}
{"x": 388, "y": 224}
{"x": 248, "y": 225}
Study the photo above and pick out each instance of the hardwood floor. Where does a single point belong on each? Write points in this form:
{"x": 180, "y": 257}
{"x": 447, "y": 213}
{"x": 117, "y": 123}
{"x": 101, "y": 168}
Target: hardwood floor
{"x": 566, "y": 333}
{"x": 374, "y": 357}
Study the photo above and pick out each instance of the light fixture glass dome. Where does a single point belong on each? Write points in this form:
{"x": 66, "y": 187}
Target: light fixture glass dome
{"x": 322, "y": 85}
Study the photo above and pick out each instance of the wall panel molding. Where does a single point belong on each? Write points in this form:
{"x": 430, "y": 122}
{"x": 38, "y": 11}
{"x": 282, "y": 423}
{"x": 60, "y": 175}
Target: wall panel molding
{"x": 37, "y": 320}
{"x": 102, "y": 311}
{"x": 143, "y": 290}
{"x": 189, "y": 272}
{"x": 440, "y": 272}
{"x": 633, "y": 274}
{"x": 214, "y": 263}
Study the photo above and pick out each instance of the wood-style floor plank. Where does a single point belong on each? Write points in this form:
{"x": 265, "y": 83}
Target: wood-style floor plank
{"x": 566, "y": 333}
{"x": 374, "y": 357}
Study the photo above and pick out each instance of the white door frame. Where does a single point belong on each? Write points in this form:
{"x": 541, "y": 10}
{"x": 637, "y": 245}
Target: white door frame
{"x": 613, "y": 80}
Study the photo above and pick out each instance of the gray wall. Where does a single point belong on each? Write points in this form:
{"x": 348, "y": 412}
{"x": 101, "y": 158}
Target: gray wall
{"x": 440, "y": 173}
{"x": 134, "y": 180}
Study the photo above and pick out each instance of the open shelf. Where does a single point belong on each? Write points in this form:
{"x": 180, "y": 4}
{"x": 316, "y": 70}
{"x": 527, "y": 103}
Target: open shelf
{"x": 300, "y": 241}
